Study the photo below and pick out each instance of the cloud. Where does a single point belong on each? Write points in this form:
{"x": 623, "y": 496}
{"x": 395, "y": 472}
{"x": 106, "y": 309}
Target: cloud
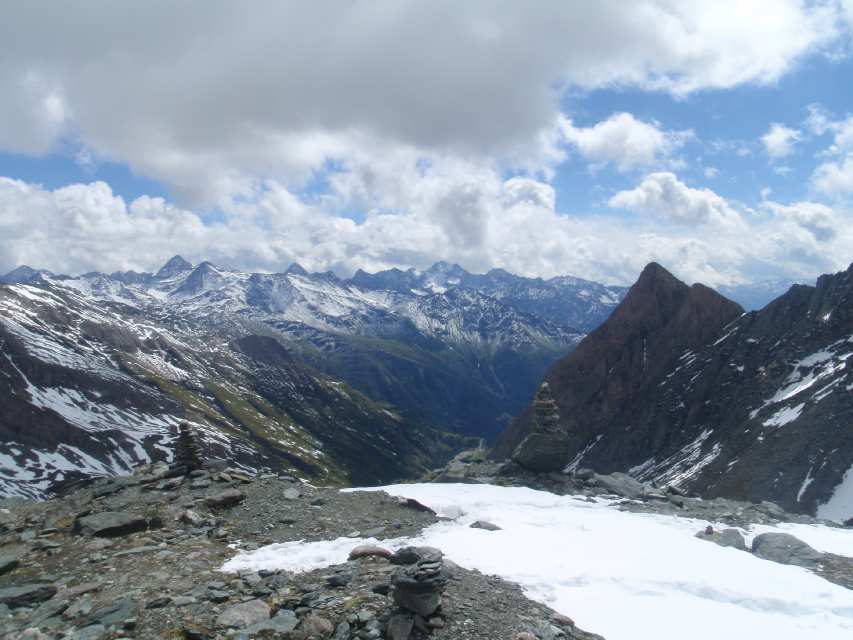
{"x": 711, "y": 172}
{"x": 779, "y": 141}
{"x": 626, "y": 142}
{"x": 225, "y": 97}
{"x": 477, "y": 219}
{"x": 834, "y": 178}
{"x": 818, "y": 219}
{"x": 664, "y": 195}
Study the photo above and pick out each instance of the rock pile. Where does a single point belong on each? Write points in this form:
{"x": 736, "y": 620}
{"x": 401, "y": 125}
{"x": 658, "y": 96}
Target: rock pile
{"x": 188, "y": 454}
{"x": 545, "y": 448}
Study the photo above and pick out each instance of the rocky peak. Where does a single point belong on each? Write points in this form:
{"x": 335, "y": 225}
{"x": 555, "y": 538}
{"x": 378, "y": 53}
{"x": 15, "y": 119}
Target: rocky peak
{"x": 175, "y": 266}
{"x": 22, "y": 275}
{"x": 659, "y": 319}
{"x": 296, "y": 269}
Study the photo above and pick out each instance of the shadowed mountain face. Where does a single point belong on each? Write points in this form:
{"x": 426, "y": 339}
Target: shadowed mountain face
{"x": 679, "y": 386}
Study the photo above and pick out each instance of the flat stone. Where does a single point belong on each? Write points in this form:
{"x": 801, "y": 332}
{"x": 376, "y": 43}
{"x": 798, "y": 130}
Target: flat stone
{"x": 11, "y": 558}
{"x": 26, "y": 595}
{"x": 227, "y": 498}
{"x": 244, "y": 614}
{"x": 482, "y": 524}
{"x": 112, "y": 524}
{"x": 369, "y": 550}
{"x": 114, "y": 613}
{"x": 281, "y": 623}
{"x": 291, "y": 493}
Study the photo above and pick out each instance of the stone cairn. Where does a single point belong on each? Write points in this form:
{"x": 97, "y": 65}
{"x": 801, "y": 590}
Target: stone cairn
{"x": 545, "y": 417}
{"x": 546, "y": 447}
{"x": 417, "y": 585}
{"x": 188, "y": 455}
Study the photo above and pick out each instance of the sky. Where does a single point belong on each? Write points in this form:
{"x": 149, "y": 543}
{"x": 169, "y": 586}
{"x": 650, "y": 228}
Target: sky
{"x": 545, "y": 138}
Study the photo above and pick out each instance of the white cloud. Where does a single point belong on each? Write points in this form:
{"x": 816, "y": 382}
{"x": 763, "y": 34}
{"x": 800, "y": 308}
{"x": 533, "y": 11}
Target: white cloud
{"x": 711, "y": 172}
{"x": 779, "y": 141}
{"x": 818, "y": 219}
{"x": 834, "y": 178}
{"x": 224, "y": 96}
{"x": 476, "y": 219}
{"x": 626, "y": 142}
{"x": 663, "y": 194}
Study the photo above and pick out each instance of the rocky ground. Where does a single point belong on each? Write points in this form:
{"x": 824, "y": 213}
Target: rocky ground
{"x": 139, "y": 557}
{"x": 476, "y": 467}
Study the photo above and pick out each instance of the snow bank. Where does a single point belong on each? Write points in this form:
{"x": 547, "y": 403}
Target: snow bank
{"x": 622, "y": 575}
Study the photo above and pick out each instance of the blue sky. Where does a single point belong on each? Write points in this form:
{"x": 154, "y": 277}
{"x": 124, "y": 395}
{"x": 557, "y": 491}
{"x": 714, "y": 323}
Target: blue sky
{"x": 556, "y": 138}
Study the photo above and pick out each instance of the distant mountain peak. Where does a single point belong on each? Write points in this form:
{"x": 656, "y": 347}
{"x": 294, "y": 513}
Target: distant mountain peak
{"x": 22, "y": 274}
{"x": 296, "y": 269}
{"x": 175, "y": 266}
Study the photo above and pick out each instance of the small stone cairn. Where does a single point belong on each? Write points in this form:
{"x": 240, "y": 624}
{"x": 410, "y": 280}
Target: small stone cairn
{"x": 188, "y": 455}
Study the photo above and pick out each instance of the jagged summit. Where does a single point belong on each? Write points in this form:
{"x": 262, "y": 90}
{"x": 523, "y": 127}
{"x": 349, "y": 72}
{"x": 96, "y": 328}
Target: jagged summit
{"x": 296, "y": 269}
{"x": 175, "y": 266}
{"x": 22, "y": 275}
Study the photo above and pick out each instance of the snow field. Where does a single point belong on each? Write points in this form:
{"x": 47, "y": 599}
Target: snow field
{"x": 623, "y": 575}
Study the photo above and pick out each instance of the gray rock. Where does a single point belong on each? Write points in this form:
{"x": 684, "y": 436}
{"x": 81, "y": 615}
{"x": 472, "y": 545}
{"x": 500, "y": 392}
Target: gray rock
{"x": 244, "y": 614}
{"x": 785, "y": 549}
{"x": 26, "y": 595}
{"x": 542, "y": 452}
{"x": 114, "y": 613}
{"x": 725, "y": 538}
{"x": 227, "y": 498}
{"x": 291, "y": 493}
{"x": 314, "y": 625}
{"x": 342, "y": 632}
{"x": 621, "y": 484}
{"x": 482, "y": 524}
{"x": 281, "y": 623}
{"x": 92, "y": 632}
{"x": 399, "y": 626}
{"x": 11, "y": 558}
{"x": 112, "y": 524}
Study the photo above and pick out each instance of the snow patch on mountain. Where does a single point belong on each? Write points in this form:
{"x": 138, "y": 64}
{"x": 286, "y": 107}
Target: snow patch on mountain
{"x": 589, "y": 559}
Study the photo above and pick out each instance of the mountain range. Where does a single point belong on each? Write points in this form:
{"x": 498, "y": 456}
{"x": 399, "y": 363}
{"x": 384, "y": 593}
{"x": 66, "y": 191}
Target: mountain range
{"x": 357, "y": 381}
{"x": 681, "y": 387}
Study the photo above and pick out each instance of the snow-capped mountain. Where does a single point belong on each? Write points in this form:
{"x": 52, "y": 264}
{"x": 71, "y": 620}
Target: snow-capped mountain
{"x": 566, "y": 300}
{"x": 680, "y": 387}
{"x": 282, "y": 368}
{"x": 89, "y": 387}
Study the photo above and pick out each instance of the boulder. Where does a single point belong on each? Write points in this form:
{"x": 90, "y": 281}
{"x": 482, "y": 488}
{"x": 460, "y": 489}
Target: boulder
{"x": 542, "y": 452}
{"x": 785, "y": 549}
{"x": 725, "y": 538}
{"x": 487, "y": 526}
{"x": 244, "y": 614}
{"x": 10, "y": 558}
{"x": 224, "y": 499}
{"x": 317, "y": 626}
{"x": 279, "y": 625}
{"x": 621, "y": 484}
{"x": 113, "y": 524}
{"x": 26, "y": 595}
